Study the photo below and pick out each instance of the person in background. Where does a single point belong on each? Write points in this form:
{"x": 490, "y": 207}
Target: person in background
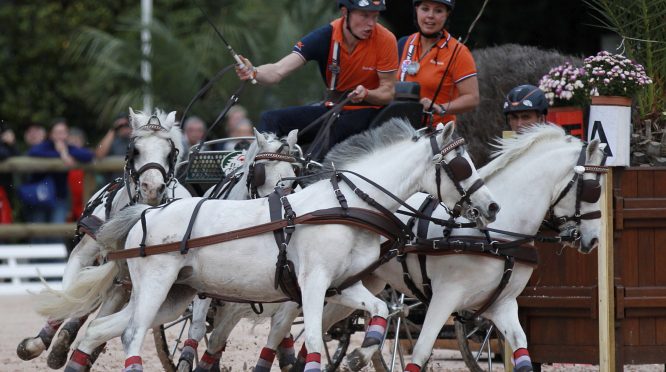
{"x": 75, "y": 177}
{"x": 33, "y": 135}
{"x": 357, "y": 59}
{"x": 235, "y": 115}
{"x": 443, "y": 67}
{"x": 115, "y": 143}
{"x": 7, "y": 150}
{"x": 243, "y": 128}
{"x": 525, "y": 105}
{"x": 56, "y": 146}
{"x": 194, "y": 131}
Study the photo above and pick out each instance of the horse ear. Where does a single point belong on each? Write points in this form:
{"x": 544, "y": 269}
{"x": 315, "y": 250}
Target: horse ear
{"x": 447, "y": 133}
{"x": 593, "y": 154}
{"x": 132, "y": 119}
{"x": 292, "y": 137}
{"x": 262, "y": 143}
{"x": 170, "y": 120}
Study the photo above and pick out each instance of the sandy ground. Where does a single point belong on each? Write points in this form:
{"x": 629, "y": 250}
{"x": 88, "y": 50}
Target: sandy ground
{"x": 17, "y": 321}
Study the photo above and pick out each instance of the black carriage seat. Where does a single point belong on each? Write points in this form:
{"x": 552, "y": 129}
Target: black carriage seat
{"x": 405, "y": 105}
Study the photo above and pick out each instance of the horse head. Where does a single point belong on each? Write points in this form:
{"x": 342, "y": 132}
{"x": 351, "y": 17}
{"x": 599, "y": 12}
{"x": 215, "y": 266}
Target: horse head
{"x": 451, "y": 164}
{"x": 576, "y": 211}
{"x": 271, "y": 162}
{"x": 152, "y": 155}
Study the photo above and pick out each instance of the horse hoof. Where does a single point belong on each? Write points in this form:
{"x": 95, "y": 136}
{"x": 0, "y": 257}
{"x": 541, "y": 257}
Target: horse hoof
{"x": 30, "y": 348}
{"x": 58, "y": 356}
{"x": 356, "y": 361}
{"x": 287, "y": 368}
{"x": 299, "y": 365}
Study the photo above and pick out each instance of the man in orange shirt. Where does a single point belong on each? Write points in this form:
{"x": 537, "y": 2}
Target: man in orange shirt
{"x": 355, "y": 55}
{"x": 443, "y": 67}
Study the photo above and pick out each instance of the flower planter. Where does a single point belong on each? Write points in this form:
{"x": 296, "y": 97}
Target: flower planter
{"x": 610, "y": 121}
{"x": 569, "y": 118}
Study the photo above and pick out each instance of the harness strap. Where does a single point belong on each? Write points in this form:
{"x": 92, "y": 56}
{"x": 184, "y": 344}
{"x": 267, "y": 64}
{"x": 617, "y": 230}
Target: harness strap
{"x": 144, "y": 229}
{"x": 422, "y": 231}
{"x": 428, "y": 205}
{"x": 357, "y": 217}
{"x": 190, "y": 225}
{"x": 338, "y": 194}
{"x": 509, "y": 262}
{"x": 520, "y": 249}
{"x": 89, "y": 225}
{"x": 112, "y": 190}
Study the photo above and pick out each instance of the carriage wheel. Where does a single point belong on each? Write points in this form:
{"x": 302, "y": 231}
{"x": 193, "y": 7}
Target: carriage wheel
{"x": 481, "y": 344}
{"x": 400, "y": 329}
{"x": 169, "y": 339}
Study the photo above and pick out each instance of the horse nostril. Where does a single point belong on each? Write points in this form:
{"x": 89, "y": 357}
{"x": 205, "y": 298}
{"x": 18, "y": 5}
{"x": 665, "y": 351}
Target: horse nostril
{"x": 162, "y": 188}
{"x": 144, "y": 186}
{"x": 493, "y": 208}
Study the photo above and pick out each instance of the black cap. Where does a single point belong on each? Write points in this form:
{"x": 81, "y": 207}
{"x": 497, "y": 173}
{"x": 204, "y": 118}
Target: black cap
{"x": 525, "y": 98}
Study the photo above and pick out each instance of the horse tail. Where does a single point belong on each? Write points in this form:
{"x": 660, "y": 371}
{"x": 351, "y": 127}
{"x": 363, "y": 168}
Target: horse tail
{"x": 92, "y": 284}
{"x": 112, "y": 234}
{"x": 80, "y": 298}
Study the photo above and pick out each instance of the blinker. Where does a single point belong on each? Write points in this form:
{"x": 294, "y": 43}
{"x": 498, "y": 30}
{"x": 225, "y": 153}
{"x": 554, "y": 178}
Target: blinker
{"x": 460, "y": 168}
{"x": 590, "y": 191}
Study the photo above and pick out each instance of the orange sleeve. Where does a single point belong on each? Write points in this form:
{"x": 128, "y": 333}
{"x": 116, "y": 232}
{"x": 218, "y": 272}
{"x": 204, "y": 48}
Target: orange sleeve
{"x": 387, "y": 49}
{"x": 464, "y": 65}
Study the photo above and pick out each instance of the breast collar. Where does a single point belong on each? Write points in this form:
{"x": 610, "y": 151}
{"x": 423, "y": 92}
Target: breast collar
{"x": 409, "y": 59}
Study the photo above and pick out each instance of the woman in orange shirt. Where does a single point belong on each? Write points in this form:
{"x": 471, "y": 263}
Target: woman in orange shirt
{"x": 443, "y": 67}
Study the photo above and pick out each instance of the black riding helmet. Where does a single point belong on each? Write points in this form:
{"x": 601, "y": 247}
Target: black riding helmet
{"x": 369, "y": 5}
{"x": 525, "y": 98}
{"x": 450, "y": 3}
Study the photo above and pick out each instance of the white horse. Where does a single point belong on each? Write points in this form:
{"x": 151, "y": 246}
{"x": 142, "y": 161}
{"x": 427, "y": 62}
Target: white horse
{"x": 529, "y": 175}
{"x": 156, "y": 140}
{"x": 323, "y": 256}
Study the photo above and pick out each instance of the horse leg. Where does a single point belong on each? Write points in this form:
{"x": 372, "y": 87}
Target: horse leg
{"x": 282, "y": 322}
{"x": 313, "y": 291}
{"x": 83, "y": 255}
{"x": 226, "y": 319}
{"x": 505, "y": 317}
{"x": 105, "y": 328}
{"x": 31, "y": 347}
{"x": 154, "y": 280}
{"x": 439, "y": 310}
{"x": 58, "y": 355}
{"x": 359, "y": 297}
{"x": 195, "y": 334}
{"x": 279, "y": 339}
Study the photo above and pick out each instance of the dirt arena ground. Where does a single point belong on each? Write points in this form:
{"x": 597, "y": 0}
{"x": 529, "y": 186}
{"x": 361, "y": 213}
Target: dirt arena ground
{"x": 18, "y": 320}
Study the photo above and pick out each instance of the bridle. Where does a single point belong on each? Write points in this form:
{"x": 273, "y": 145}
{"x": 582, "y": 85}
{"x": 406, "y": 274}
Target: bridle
{"x": 256, "y": 173}
{"x": 457, "y": 169}
{"x": 131, "y": 175}
{"x": 587, "y": 190}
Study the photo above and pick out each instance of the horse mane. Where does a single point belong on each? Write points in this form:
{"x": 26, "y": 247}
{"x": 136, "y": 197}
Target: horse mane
{"x": 361, "y": 145}
{"x": 508, "y": 149}
{"x": 174, "y": 133}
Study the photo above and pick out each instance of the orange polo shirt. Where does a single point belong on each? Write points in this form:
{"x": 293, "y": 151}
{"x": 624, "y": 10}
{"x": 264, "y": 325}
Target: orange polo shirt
{"x": 434, "y": 64}
{"x": 377, "y": 54}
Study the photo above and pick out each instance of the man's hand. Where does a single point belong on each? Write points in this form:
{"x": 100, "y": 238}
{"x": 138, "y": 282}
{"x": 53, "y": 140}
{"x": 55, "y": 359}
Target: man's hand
{"x": 248, "y": 71}
{"x": 359, "y": 94}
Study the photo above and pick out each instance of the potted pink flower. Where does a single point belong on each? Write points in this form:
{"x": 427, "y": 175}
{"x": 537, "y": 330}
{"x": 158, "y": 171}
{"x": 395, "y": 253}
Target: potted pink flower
{"x": 565, "y": 90}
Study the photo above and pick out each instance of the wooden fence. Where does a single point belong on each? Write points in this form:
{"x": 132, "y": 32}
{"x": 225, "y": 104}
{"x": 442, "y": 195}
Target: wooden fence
{"x": 25, "y": 164}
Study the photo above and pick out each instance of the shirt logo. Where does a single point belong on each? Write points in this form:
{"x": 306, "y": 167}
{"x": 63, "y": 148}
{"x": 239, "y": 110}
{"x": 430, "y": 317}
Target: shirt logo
{"x": 368, "y": 68}
{"x": 363, "y": 3}
{"x": 299, "y": 45}
{"x": 438, "y": 63}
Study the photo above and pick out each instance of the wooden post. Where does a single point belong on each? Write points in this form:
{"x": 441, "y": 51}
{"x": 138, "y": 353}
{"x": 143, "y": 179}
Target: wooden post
{"x": 508, "y": 357}
{"x": 605, "y": 276}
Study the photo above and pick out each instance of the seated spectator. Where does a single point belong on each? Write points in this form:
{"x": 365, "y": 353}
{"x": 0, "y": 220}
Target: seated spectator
{"x": 235, "y": 115}
{"x": 7, "y": 149}
{"x": 194, "y": 131}
{"x": 56, "y": 146}
{"x": 115, "y": 143}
